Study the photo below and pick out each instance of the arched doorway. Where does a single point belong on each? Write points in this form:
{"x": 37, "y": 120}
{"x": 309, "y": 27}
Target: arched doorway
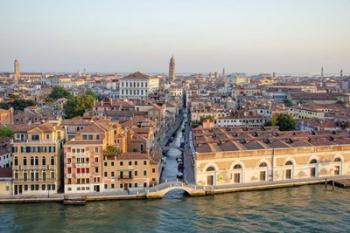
{"x": 337, "y": 166}
{"x": 237, "y": 174}
{"x": 288, "y": 170}
{"x": 210, "y": 175}
{"x": 263, "y": 171}
{"x": 313, "y": 165}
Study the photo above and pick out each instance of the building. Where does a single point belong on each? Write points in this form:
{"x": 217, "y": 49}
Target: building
{"x": 138, "y": 86}
{"x": 37, "y": 159}
{"x": 105, "y": 157}
{"x": 5, "y": 153}
{"x": 16, "y": 72}
{"x": 5, "y": 181}
{"x": 6, "y": 116}
{"x": 237, "y": 155}
{"x": 172, "y": 72}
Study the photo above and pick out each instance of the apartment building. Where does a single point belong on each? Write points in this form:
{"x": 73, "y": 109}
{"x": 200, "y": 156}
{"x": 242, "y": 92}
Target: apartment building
{"x": 36, "y": 158}
{"x": 104, "y": 157}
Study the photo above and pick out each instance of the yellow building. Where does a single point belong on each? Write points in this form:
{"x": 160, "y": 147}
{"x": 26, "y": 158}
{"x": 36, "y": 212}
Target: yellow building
{"x": 232, "y": 155}
{"x": 36, "y": 154}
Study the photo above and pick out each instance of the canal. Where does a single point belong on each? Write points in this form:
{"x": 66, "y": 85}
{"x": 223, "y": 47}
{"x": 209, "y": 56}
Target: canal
{"x": 299, "y": 209}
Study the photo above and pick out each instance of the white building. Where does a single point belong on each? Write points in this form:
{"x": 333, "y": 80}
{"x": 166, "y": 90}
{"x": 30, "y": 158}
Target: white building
{"x": 138, "y": 86}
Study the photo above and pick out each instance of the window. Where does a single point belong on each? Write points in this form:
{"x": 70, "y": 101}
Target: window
{"x": 130, "y": 163}
{"x": 121, "y": 163}
{"x": 135, "y": 163}
{"x": 25, "y": 176}
{"x": 35, "y": 137}
{"x": 153, "y": 170}
{"x": 145, "y": 173}
{"x": 112, "y": 164}
{"x": 313, "y": 167}
{"x": 145, "y": 162}
{"x": 24, "y": 161}
{"x": 16, "y": 161}
{"x": 135, "y": 173}
{"x": 52, "y": 161}
{"x": 210, "y": 169}
{"x": 36, "y": 161}
{"x": 43, "y": 161}
{"x": 44, "y": 175}
{"x": 112, "y": 174}
{"x": 106, "y": 174}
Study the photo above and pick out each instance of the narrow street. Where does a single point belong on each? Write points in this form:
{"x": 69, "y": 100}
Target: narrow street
{"x": 176, "y": 152}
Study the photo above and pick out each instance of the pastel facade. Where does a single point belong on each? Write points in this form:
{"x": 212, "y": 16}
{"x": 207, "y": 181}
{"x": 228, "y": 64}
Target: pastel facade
{"x": 138, "y": 86}
{"x": 36, "y": 159}
{"x": 233, "y": 160}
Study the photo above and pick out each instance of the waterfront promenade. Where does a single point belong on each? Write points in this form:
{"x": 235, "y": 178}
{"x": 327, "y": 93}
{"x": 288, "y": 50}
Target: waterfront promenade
{"x": 161, "y": 190}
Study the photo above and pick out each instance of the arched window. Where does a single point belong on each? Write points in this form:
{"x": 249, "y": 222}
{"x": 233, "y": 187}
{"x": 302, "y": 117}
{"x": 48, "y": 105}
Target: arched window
{"x": 210, "y": 169}
{"x": 313, "y": 161}
{"x": 263, "y": 164}
{"x": 43, "y": 161}
{"x": 32, "y": 161}
{"x": 237, "y": 166}
{"x": 337, "y": 159}
{"x": 142, "y": 148}
{"x": 289, "y": 163}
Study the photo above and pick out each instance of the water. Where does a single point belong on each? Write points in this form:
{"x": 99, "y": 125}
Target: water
{"x": 302, "y": 209}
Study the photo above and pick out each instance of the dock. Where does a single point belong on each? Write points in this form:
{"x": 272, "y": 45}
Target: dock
{"x": 345, "y": 183}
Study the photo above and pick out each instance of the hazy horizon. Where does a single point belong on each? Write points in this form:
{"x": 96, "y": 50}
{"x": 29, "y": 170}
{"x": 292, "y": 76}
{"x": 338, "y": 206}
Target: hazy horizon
{"x": 251, "y": 36}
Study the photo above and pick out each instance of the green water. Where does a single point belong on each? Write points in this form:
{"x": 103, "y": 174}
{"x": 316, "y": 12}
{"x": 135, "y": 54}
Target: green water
{"x": 302, "y": 209}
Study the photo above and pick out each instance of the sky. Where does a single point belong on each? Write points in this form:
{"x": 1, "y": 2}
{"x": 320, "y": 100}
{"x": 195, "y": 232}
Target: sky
{"x": 252, "y": 36}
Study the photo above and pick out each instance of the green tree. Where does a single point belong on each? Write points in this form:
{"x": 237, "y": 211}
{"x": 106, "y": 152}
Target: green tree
{"x": 204, "y": 118}
{"x": 5, "y": 132}
{"x": 18, "y": 104}
{"x": 59, "y": 92}
{"x": 112, "y": 150}
{"x": 287, "y": 102}
{"x": 77, "y": 105}
{"x": 284, "y": 121}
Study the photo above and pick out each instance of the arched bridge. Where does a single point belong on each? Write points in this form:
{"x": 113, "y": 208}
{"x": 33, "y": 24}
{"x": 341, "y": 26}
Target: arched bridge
{"x": 159, "y": 191}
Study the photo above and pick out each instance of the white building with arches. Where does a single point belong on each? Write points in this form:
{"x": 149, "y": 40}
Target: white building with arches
{"x": 227, "y": 156}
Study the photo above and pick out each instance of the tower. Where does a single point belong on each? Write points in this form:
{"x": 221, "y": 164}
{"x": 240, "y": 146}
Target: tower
{"x": 223, "y": 72}
{"x": 172, "y": 74}
{"x": 341, "y": 73}
{"x": 16, "y": 71}
{"x": 322, "y": 71}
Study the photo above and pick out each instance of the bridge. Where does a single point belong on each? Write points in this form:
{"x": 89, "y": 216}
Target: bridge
{"x": 159, "y": 191}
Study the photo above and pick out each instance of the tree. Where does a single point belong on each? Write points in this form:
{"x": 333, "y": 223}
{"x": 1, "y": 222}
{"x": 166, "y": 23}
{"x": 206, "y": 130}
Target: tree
{"x": 204, "y": 118}
{"x": 111, "y": 150}
{"x": 284, "y": 121}
{"x": 77, "y": 105}
{"x": 18, "y": 104}
{"x": 5, "y": 132}
{"x": 288, "y": 103}
{"x": 58, "y": 92}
